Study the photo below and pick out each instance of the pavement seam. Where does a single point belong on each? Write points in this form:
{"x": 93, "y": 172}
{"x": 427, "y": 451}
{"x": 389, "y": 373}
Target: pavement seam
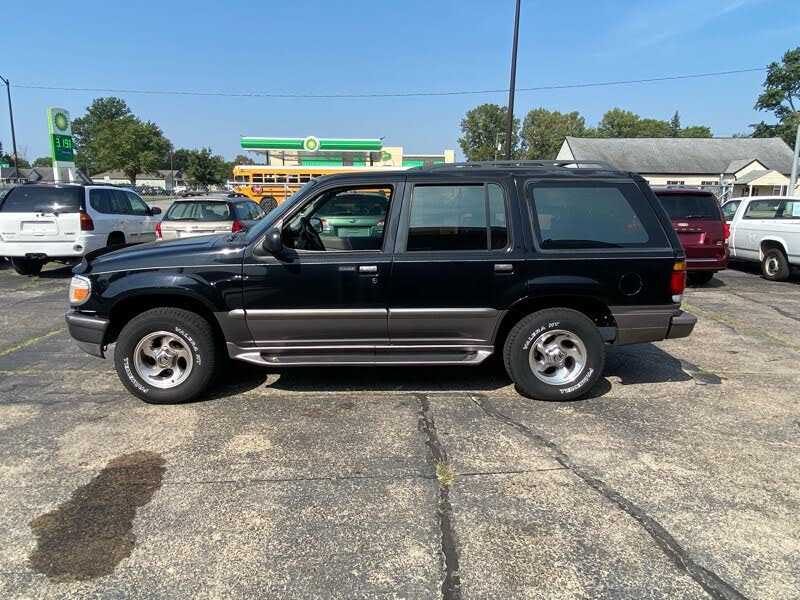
{"x": 29, "y": 342}
{"x": 714, "y": 585}
{"x": 451, "y": 582}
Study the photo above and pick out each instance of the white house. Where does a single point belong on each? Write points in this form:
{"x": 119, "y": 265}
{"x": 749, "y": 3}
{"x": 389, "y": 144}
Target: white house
{"x": 732, "y": 167}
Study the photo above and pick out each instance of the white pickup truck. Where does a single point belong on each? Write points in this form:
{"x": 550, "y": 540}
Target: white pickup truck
{"x": 767, "y": 230}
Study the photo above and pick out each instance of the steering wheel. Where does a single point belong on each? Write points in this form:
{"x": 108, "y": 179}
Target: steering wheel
{"x": 309, "y": 239}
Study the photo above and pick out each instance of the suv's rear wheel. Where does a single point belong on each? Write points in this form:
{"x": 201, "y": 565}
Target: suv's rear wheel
{"x": 165, "y": 355}
{"x": 27, "y": 266}
{"x": 774, "y": 265}
{"x": 554, "y": 354}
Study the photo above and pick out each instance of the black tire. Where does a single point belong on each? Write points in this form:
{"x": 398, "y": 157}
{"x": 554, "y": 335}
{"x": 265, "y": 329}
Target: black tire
{"x": 534, "y": 327}
{"x": 699, "y": 277}
{"x": 268, "y": 203}
{"x": 191, "y": 329}
{"x": 27, "y": 266}
{"x": 116, "y": 238}
{"x": 774, "y": 265}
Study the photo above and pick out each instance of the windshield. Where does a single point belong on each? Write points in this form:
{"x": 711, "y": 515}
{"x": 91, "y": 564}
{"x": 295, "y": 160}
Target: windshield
{"x": 199, "y": 211}
{"x": 24, "y": 199}
{"x": 274, "y": 215}
{"x": 690, "y": 206}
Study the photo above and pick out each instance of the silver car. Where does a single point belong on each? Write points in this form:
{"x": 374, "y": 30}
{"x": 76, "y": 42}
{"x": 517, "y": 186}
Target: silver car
{"x": 208, "y": 215}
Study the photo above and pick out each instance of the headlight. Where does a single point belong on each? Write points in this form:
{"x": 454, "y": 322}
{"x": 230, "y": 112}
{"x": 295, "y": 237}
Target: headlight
{"x": 80, "y": 288}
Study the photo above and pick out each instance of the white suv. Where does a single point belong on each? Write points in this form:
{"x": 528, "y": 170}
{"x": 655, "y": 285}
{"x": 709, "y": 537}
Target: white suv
{"x": 40, "y": 223}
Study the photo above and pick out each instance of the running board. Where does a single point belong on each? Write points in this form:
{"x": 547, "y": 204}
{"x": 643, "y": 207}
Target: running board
{"x": 400, "y": 356}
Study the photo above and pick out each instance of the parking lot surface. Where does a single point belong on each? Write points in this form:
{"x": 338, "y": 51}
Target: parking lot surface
{"x": 678, "y": 478}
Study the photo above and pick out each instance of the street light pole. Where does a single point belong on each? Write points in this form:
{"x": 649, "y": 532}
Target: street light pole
{"x": 11, "y": 117}
{"x": 793, "y": 178}
{"x": 512, "y": 85}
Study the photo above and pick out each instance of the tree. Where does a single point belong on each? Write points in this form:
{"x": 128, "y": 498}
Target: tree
{"x": 696, "y": 131}
{"x": 205, "y": 168}
{"x": 241, "y": 159}
{"x": 781, "y": 96}
{"x": 618, "y": 123}
{"x": 43, "y": 161}
{"x": 653, "y": 128}
{"x": 543, "y": 132}
{"x": 100, "y": 114}
{"x": 180, "y": 159}
{"x": 483, "y": 128}
{"x": 131, "y": 145}
{"x": 675, "y": 125}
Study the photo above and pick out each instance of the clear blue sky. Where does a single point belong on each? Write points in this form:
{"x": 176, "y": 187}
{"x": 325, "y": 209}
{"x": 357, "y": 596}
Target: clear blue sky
{"x": 379, "y": 46}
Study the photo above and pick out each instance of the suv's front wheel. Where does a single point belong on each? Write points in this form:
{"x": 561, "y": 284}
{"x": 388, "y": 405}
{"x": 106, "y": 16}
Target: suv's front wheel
{"x": 165, "y": 355}
{"x": 554, "y": 354}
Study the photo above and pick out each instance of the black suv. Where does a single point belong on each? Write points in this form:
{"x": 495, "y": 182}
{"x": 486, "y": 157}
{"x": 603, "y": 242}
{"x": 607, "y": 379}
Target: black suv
{"x": 544, "y": 262}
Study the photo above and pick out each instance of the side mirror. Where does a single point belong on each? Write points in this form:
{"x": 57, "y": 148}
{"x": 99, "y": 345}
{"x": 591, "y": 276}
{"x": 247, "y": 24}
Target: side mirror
{"x": 316, "y": 224}
{"x": 154, "y": 210}
{"x": 273, "y": 243}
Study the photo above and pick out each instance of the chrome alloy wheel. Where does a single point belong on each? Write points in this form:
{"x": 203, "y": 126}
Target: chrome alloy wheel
{"x": 163, "y": 360}
{"x": 557, "y": 357}
{"x": 771, "y": 266}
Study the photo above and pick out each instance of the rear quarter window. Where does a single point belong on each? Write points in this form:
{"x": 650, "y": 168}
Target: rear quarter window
{"x": 24, "y": 199}
{"x": 586, "y": 215}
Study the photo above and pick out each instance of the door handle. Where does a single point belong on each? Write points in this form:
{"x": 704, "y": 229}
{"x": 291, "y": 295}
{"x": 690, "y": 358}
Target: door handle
{"x": 503, "y": 268}
{"x": 368, "y": 268}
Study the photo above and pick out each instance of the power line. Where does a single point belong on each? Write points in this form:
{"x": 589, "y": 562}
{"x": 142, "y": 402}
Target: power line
{"x": 566, "y": 86}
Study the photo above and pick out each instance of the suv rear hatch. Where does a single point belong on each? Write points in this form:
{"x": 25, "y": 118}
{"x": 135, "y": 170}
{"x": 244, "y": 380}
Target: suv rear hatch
{"x": 41, "y": 214}
{"x": 698, "y": 221}
{"x": 189, "y": 218}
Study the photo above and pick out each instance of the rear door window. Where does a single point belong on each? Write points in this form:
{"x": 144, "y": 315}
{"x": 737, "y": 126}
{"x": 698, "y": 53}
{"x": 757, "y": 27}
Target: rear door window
{"x": 25, "y": 199}
{"x": 569, "y": 215}
{"x": 457, "y": 218}
{"x": 690, "y": 206}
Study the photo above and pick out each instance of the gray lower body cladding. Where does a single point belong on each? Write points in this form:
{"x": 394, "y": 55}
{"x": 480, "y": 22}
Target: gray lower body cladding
{"x": 639, "y": 324}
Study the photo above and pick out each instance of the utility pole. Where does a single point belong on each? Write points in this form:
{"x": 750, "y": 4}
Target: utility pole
{"x": 11, "y": 117}
{"x": 512, "y": 85}
{"x": 793, "y": 178}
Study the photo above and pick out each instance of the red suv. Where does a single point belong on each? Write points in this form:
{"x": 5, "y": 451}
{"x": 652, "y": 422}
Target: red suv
{"x": 701, "y": 228}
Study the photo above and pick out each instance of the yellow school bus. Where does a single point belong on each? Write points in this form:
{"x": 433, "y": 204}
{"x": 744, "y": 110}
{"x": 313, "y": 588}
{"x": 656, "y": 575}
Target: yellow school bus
{"x": 270, "y": 185}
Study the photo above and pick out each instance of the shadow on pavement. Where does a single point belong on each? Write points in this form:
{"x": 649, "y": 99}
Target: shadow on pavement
{"x": 60, "y": 272}
{"x": 643, "y": 364}
{"x": 639, "y": 364}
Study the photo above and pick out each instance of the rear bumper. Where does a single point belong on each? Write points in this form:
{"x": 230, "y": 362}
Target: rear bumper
{"x": 639, "y": 324}
{"x": 707, "y": 264}
{"x": 75, "y": 248}
{"x": 681, "y": 325}
{"x": 88, "y": 331}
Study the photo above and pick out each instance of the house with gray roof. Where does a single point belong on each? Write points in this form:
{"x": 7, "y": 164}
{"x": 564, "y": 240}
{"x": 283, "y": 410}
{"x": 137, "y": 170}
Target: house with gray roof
{"x": 731, "y": 167}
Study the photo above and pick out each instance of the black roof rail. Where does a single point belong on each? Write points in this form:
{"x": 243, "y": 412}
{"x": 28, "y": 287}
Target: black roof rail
{"x": 523, "y": 164}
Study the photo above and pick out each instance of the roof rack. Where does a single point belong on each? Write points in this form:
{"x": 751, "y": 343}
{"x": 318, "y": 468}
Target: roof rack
{"x": 524, "y": 164}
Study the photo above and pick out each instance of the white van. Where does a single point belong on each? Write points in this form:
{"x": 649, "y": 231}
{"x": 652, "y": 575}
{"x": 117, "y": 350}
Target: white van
{"x": 44, "y": 222}
{"x": 766, "y": 229}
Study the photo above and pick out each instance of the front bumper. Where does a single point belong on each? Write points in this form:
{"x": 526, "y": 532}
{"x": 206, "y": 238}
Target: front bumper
{"x": 88, "y": 331}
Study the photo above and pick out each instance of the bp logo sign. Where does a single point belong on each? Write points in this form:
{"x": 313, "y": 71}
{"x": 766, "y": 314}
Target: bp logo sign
{"x": 61, "y": 121}
{"x": 311, "y": 144}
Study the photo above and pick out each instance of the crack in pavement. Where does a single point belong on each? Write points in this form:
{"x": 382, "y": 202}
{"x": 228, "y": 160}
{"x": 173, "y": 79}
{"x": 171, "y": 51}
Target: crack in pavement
{"x": 714, "y": 585}
{"x": 451, "y": 583}
{"x": 780, "y": 311}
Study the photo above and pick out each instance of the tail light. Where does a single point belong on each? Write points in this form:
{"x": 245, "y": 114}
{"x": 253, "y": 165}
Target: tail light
{"x": 677, "y": 281}
{"x": 86, "y": 222}
{"x": 237, "y": 226}
{"x": 379, "y": 225}
{"x": 726, "y": 231}
{"x": 159, "y": 235}
{"x": 326, "y": 226}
